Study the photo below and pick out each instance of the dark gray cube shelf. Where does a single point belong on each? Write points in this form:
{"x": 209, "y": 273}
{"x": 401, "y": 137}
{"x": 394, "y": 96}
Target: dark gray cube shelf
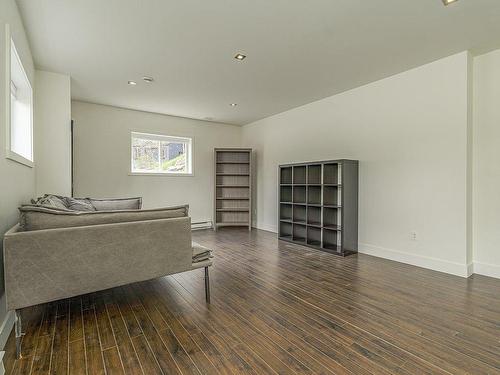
{"x": 319, "y": 205}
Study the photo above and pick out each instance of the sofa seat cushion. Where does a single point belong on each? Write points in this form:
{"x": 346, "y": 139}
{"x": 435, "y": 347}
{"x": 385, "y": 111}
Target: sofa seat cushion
{"x": 38, "y": 217}
{"x": 201, "y": 253}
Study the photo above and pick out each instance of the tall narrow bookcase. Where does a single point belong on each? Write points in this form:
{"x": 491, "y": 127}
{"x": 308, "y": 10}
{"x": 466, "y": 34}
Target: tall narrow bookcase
{"x": 318, "y": 205}
{"x": 233, "y": 187}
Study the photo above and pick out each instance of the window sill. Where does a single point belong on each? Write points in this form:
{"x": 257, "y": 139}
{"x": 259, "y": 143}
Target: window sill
{"x": 19, "y": 159}
{"x": 161, "y": 174}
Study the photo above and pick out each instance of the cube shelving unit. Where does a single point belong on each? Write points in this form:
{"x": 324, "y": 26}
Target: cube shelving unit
{"x": 318, "y": 205}
{"x": 233, "y": 187}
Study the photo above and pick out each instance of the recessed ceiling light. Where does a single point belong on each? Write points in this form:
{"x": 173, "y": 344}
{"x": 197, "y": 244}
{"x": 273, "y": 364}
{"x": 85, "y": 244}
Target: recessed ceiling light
{"x": 240, "y": 57}
{"x": 233, "y": 104}
{"x": 147, "y": 79}
{"x": 132, "y": 83}
{"x": 448, "y": 2}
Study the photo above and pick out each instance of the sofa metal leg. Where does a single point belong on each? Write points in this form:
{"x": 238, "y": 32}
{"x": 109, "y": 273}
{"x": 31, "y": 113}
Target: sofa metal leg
{"x": 207, "y": 285}
{"x": 18, "y": 331}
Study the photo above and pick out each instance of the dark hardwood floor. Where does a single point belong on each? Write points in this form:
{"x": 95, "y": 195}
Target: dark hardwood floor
{"x": 277, "y": 308}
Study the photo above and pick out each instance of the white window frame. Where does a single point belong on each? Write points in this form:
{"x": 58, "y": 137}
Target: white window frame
{"x": 169, "y": 138}
{"x": 9, "y": 154}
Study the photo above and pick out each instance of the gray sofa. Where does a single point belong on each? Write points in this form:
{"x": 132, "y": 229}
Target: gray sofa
{"x": 56, "y": 253}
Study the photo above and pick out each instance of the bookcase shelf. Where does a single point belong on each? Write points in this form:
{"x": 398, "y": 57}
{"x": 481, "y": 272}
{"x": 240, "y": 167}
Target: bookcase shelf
{"x": 233, "y": 187}
{"x": 319, "y": 205}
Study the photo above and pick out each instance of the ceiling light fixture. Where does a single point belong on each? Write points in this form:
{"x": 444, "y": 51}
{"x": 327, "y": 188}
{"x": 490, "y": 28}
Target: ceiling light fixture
{"x": 448, "y": 2}
{"x": 240, "y": 57}
{"x": 233, "y": 104}
{"x": 147, "y": 79}
{"x": 132, "y": 83}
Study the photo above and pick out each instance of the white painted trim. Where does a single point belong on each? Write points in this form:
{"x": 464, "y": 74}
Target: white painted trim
{"x": 2, "y": 368}
{"x": 6, "y": 328}
{"x": 485, "y": 269}
{"x": 161, "y": 174}
{"x": 470, "y": 269}
{"x": 435, "y": 264}
{"x": 11, "y": 155}
{"x": 267, "y": 228}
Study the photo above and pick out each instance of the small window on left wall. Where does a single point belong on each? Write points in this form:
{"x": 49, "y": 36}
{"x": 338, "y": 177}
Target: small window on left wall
{"x": 20, "y": 122}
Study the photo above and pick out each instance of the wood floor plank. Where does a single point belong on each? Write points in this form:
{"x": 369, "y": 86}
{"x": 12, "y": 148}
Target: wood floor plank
{"x": 160, "y": 352}
{"x": 148, "y": 361}
{"x": 93, "y": 349}
{"x": 77, "y": 362}
{"x": 31, "y": 327}
{"x": 127, "y": 352}
{"x": 41, "y": 360}
{"x": 76, "y": 322}
{"x": 59, "y": 360}
{"x": 131, "y": 323}
{"x": 106, "y": 336}
{"x": 112, "y": 362}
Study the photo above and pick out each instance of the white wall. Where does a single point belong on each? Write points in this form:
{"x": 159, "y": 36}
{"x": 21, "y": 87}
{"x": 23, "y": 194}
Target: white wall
{"x": 102, "y": 157}
{"x": 486, "y": 213}
{"x": 52, "y": 107}
{"x": 409, "y": 133}
{"x": 17, "y": 181}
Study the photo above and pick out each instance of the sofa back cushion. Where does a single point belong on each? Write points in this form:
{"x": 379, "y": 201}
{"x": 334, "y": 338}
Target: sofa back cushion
{"x": 116, "y": 204}
{"x": 88, "y": 204}
{"x": 38, "y": 217}
{"x": 79, "y": 204}
{"x": 50, "y": 200}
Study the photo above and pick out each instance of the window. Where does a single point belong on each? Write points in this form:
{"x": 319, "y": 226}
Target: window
{"x": 161, "y": 154}
{"x": 20, "y": 126}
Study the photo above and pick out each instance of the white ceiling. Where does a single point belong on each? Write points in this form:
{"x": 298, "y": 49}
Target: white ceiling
{"x": 298, "y": 50}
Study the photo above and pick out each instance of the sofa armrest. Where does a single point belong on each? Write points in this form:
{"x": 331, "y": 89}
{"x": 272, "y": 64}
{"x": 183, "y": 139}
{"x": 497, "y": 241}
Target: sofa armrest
{"x": 46, "y": 265}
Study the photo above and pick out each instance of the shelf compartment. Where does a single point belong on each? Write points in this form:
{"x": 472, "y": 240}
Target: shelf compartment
{"x": 331, "y": 217}
{"x": 232, "y": 204}
{"x": 286, "y": 230}
{"x": 314, "y": 174}
{"x": 232, "y": 180}
{"x": 314, "y": 236}
{"x": 299, "y": 233}
{"x": 299, "y": 174}
{"x": 286, "y": 211}
{"x": 286, "y": 194}
{"x": 232, "y": 192}
{"x": 314, "y": 195}
{"x": 313, "y": 215}
{"x": 299, "y": 194}
{"x": 232, "y": 174}
{"x": 331, "y": 240}
{"x": 299, "y": 214}
{"x": 331, "y": 173}
{"x": 233, "y": 157}
{"x": 331, "y": 195}
{"x": 286, "y": 175}
{"x": 232, "y": 168}
{"x": 232, "y": 217}
{"x": 235, "y": 209}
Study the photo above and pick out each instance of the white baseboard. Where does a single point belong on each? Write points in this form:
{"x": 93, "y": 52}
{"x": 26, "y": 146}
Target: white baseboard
{"x": 6, "y": 328}
{"x": 435, "y": 264}
{"x": 267, "y": 228}
{"x": 485, "y": 269}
